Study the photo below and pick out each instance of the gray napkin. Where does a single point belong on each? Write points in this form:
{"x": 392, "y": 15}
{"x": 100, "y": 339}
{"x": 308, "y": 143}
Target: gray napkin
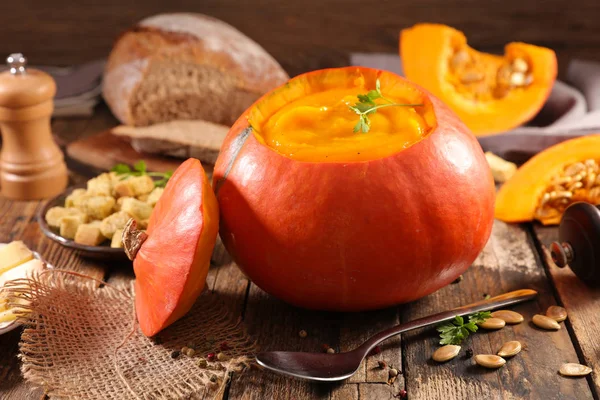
{"x": 78, "y": 88}
{"x": 573, "y": 109}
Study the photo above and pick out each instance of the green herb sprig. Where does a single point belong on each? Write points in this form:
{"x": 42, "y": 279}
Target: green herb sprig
{"x": 366, "y": 105}
{"x": 139, "y": 169}
{"x": 457, "y": 330}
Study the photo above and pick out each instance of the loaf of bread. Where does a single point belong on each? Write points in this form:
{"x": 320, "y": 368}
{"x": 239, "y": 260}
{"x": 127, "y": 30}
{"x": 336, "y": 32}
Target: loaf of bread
{"x": 186, "y": 66}
{"x": 181, "y": 139}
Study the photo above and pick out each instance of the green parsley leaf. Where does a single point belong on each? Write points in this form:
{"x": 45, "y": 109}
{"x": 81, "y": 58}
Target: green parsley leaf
{"x": 121, "y": 169}
{"x": 480, "y": 317}
{"x": 457, "y": 330}
{"x": 366, "y": 105}
{"x": 140, "y": 168}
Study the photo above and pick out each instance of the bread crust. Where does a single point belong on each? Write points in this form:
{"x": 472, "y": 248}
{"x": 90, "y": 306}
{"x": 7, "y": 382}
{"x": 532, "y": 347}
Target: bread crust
{"x": 187, "y": 37}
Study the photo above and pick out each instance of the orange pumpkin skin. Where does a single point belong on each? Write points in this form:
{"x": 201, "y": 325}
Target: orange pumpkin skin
{"x": 172, "y": 264}
{"x": 519, "y": 197}
{"x": 356, "y": 235}
{"x": 425, "y": 50}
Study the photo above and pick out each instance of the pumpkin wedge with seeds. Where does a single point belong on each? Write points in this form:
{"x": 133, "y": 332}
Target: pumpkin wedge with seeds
{"x": 490, "y": 93}
{"x": 552, "y": 180}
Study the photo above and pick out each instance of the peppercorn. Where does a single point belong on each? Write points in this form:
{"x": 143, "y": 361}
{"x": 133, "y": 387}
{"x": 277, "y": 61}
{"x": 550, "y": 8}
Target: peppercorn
{"x": 382, "y": 364}
{"x": 190, "y": 352}
{"x": 210, "y": 356}
{"x": 393, "y": 372}
{"x": 469, "y": 353}
{"x": 460, "y": 278}
{"x": 302, "y": 334}
{"x": 222, "y": 357}
{"x": 402, "y": 394}
{"x": 330, "y": 351}
{"x": 213, "y": 378}
{"x": 175, "y": 353}
{"x": 376, "y": 350}
{"x": 202, "y": 363}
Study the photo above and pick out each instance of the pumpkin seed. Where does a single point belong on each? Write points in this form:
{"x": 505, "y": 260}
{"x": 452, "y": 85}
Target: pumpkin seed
{"x": 517, "y": 79}
{"x": 445, "y": 353}
{"x": 573, "y": 369}
{"x": 503, "y": 75}
{"x": 489, "y": 360}
{"x": 460, "y": 58}
{"x": 557, "y": 313}
{"x": 509, "y": 349}
{"x": 544, "y": 322}
{"x": 591, "y": 179}
{"x": 519, "y": 65}
{"x": 574, "y": 169}
{"x": 471, "y": 77}
{"x": 595, "y": 195}
{"x": 493, "y": 323}
{"x": 508, "y": 316}
{"x": 575, "y": 186}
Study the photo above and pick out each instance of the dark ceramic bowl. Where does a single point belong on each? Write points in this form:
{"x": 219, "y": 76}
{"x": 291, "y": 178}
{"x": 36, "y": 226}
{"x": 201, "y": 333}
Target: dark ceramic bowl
{"x": 103, "y": 252}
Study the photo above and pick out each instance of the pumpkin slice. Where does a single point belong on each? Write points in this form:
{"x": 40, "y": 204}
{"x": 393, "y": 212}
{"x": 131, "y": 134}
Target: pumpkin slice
{"x": 172, "y": 257}
{"x": 549, "y": 182}
{"x": 490, "y": 93}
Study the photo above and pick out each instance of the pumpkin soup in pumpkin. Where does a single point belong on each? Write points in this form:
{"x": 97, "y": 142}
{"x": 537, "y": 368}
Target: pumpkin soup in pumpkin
{"x": 352, "y": 189}
{"x": 490, "y": 93}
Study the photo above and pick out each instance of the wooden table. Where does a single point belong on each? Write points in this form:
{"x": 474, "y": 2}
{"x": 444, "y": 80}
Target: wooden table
{"x": 514, "y": 258}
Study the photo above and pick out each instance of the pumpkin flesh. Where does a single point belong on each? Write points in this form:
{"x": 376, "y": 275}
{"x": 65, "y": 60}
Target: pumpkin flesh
{"x": 362, "y": 231}
{"x": 172, "y": 264}
{"x": 523, "y": 196}
{"x": 490, "y": 93}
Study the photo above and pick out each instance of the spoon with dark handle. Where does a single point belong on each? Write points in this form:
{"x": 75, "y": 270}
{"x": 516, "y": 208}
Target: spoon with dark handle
{"x": 335, "y": 367}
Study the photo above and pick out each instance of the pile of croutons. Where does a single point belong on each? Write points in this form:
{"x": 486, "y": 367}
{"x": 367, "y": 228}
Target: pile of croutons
{"x": 99, "y": 213}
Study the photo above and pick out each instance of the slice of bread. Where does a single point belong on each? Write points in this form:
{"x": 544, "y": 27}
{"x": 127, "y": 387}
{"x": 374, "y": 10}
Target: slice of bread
{"x": 182, "y": 138}
{"x": 186, "y": 66}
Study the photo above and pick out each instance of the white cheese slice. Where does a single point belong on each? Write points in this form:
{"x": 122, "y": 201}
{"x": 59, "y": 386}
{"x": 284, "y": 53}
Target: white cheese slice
{"x": 13, "y": 254}
{"x": 22, "y": 271}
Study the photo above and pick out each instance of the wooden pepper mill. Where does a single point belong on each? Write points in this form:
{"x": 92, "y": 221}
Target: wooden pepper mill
{"x": 578, "y": 244}
{"x": 32, "y": 166}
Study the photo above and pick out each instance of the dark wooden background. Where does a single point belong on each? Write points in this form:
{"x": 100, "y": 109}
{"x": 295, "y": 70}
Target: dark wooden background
{"x": 303, "y": 34}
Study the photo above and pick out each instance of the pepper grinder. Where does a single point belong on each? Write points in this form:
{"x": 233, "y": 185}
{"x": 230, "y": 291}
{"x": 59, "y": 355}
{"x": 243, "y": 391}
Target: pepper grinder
{"x": 32, "y": 166}
{"x": 578, "y": 244}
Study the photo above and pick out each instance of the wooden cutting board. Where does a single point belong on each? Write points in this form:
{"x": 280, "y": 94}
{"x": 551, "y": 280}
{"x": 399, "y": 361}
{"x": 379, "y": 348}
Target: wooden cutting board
{"x": 101, "y": 151}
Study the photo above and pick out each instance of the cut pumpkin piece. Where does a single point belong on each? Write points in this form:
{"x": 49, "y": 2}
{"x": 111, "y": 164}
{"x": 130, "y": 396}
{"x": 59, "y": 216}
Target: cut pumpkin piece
{"x": 549, "y": 182}
{"x": 490, "y": 93}
{"x": 172, "y": 257}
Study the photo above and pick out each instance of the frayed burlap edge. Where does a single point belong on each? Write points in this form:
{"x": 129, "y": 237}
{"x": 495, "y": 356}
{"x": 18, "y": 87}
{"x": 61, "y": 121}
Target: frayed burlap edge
{"x": 81, "y": 341}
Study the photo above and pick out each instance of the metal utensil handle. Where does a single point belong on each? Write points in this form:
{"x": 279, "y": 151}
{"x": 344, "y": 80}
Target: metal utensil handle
{"x": 503, "y": 300}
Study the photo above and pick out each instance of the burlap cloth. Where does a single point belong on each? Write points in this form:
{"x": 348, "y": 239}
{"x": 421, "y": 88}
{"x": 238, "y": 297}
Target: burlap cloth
{"x": 81, "y": 341}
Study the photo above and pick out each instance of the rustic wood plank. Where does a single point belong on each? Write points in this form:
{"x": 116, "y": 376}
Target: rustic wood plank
{"x": 304, "y": 35}
{"x": 276, "y": 325}
{"x": 12, "y": 385}
{"x": 582, "y": 303}
{"x": 356, "y": 328}
{"x": 508, "y": 262}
